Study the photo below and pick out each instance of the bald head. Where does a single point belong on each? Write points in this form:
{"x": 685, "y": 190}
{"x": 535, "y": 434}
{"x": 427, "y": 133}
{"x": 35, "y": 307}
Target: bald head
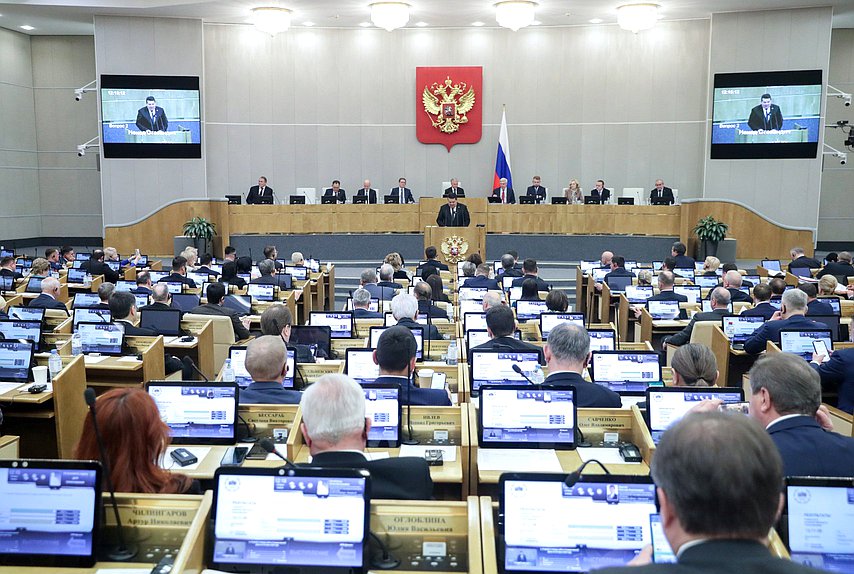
{"x": 732, "y": 279}
{"x": 266, "y": 358}
{"x": 606, "y": 257}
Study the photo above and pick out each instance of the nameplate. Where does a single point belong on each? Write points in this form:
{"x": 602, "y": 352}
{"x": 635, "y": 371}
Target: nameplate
{"x": 284, "y": 417}
{"x": 420, "y": 524}
{"x": 152, "y": 516}
{"x": 606, "y": 421}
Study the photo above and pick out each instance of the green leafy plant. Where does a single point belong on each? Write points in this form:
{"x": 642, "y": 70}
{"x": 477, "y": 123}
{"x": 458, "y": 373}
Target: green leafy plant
{"x": 200, "y": 228}
{"x": 710, "y": 229}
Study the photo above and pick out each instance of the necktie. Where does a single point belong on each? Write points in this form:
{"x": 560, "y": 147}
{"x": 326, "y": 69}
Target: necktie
{"x": 401, "y": 194}
{"x": 453, "y": 215}
{"x": 152, "y": 120}
{"x": 767, "y": 120}
{"x": 504, "y": 195}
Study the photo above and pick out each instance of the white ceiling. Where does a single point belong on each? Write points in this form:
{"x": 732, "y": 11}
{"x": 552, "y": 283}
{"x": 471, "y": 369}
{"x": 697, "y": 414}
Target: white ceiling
{"x": 74, "y": 17}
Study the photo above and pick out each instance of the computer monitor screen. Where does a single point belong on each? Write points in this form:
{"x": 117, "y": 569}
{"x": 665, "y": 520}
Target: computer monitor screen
{"x": 618, "y": 284}
{"x": 82, "y": 300}
{"x": 373, "y": 305}
{"x": 706, "y": 281}
{"x": 831, "y": 322}
{"x": 103, "y": 338}
{"x": 156, "y": 276}
{"x": 197, "y": 413}
{"x": 125, "y": 285}
{"x": 89, "y": 315}
{"x": 261, "y": 292}
{"x": 114, "y": 265}
{"x": 549, "y": 321}
{"x": 492, "y": 367}
{"x": 663, "y": 310}
{"x": 316, "y": 338}
{"x": 21, "y": 330}
{"x": 692, "y": 292}
{"x": 340, "y": 322}
{"x": 528, "y": 310}
{"x": 237, "y": 354}
{"x": 163, "y": 322}
{"x": 6, "y": 282}
{"x": 800, "y": 342}
{"x": 602, "y": 339}
{"x": 298, "y": 273}
{"x": 186, "y": 302}
{"x": 473, "y": 293}
{"x": 738, "y": 329}
{"x": 268, "y": 519}
{"x": 360, "y": 366}
{"x": 475, "y": 337}
{"x": 16, "y": 360}
{"x": 418, "y": 333}
{"x": 527, "y": 417}
{"x": 771, "y": 264}
{"x": 175, "y": 287}
{"x": 834, "y": 303}
{"x": 625, "y": 372}
{"x": 707, "y": 306}
{"x": 141, "y": 300}
{"x": 76, "y": 276}
{"x": 474, "y": 321}
{"x": 34, "y": 285}
{"x": 26, "y": 313}
{"x": 599, "y": 274}
{"x": 240, "y": 303}
{"x": 666, "y": 405}
{"x": 198, "y": 278}
{"x": 382, "y": 407}
{"x": 638, "y": 293}
{"x": 515, "y": 293}
{"x": 285, "y": 281}
{"x": 685, "y": 273}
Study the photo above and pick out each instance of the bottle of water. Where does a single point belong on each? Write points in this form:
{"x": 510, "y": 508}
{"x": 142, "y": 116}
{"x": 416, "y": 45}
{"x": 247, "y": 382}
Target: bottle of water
{"x": 87, "y": 280}
{"x": 76, "y": 344}
{"x": 537, "y": 375}
{"x": 54, "y": 364}
{"x": 227, "y": 372}
{"x": 451, "y": 313}
{"x": 452, "y": 352}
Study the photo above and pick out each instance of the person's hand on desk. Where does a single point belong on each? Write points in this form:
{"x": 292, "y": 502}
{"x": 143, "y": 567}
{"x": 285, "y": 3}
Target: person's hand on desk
{"x": 597, "y": 286}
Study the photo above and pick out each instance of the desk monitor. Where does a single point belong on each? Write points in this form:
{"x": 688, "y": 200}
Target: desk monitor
{"x": 776, "y": 301}
{"x": 834, "y": 303}
{"x": 560, "y": 201}
{"x": 549, "y": 320}
{"x": 685, "y": 273}
{"x": 373, "y": 305}
{"x": 663, "y": 310}
{"x": 316, "y": 338}
{"x": 706, "y": 306}
{"x": 6, "y": 282}
{"x": 832, "y": 322}
{"x": 475, "y": 337}
{"x": 76, "y": 276}
{"x": 234, "y": 199}
{"x": 627, "y": 201}
{"x": 264, "y": 200}
{"x": 297, "y": 520}
{"x": 15, "y": 330}
{"x": 197, "y": 413}
{"x": 34, "y": 285}
{"x": 142, "y": 299}
{"x": 114, "y": 265}
{"x": 82, "y": 300}
{"x": 50, "y": 513}
{"x": 600, "y": 521}
{"x": 285, "y": 281}
{"x": 638, "y": 294}
{"x": 474, "y": 321}
{"x": 472, "y": 293}
{"x": 692, "y": 292}
{"x": 102, "y": 338}
{"x": 602, "y": 339}
{"x": 660, "y": 201}
{"x": 298, "y": 273}
{"x": 515, "y": 293}
{"x": 799, "y": 341}
{"x": 240, "y": 303}
{"x": 261, "y": 292}
{"x": 16, "y": 360}
{"x": 527, "y": 200}
{"x": 599, "y": 273}
{"x": 753, "y": 279}
{"x": 590, "y": 200}
{"x": 801, "y": 272}
{"x": 469, "y": 306}
{"x": 89, "y": 315}
{"x": 626, "y": 372}
{"x": 175, "y": 287}
{"x": 495, "y": 367}
{"x": 522, "y": 416}
{"x": 706, "y": 281}
{"x": 417, "y": 333}
{"x": 26, "y": 313}
{"x": 382, "y": 405}
{"x": 198, "y": 278}
{"x": 340, "y": 322}
{"x": 507, "y": 282}
{"x": 156, "y": 276}
{"x": 529, "y": 310}
{"x": 618, "y": 284}
{"x": 237, "y": 354}
{"x": 161, "y": 321}
{"x": 296, "y": 199}
{"x": 360, "y": 366}
{"x": 816, "y": 522}
{"x": 185, "y": 302}
{"x": 739, "y": 328}
{"x": 7, "y": 253}
{"x": 667, "y": 405}
{"x": 24, "y": 262}
{"x": 771, "y": 265}
{"x": 125, "y": 285}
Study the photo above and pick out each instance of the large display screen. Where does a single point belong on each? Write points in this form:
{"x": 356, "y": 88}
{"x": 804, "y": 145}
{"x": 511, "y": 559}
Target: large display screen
{"x": 819, "y": 525}
{"x": 197, "y": 414}
{"x": 151, "y": 117}
{"x": 760, "y": 115}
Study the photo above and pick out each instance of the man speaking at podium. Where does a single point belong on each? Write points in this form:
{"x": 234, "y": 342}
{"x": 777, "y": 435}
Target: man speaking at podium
{"x": 256, "y": 192}
{"x": 152, "y": 118}
{"x": 453, "y": 213}
{"x": 765, "y": 116}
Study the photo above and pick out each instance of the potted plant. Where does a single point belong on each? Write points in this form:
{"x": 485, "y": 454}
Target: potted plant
{"x": 710, "y": 232}
{"x": 201, "y": 231}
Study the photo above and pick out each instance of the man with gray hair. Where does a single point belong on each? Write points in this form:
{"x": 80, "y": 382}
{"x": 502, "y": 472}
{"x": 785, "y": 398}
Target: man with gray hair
{"x": 840, "y": 268}
{"x": 508, "y": 266}
{"x": 368, "y": 281}
{"x": 468, "y": 269}
{"x": 267, "y": 268}
{"x": 785, "y": 397}
{"x": 567, "y": 354}
{"x": 800, "y": 260}
{"x": 404, "y": 308}
{"x": 161, "y": 298}
{"x": 47, "y": 298}
{"x": 732, "y": 281}
{"x": 105, "y": 289}
{"x": 719, "y": 300}
{"x": 387, "y": 277}
{"x": 793, "y": 308}
{"x": 297, "y": 259}
{"x": 267, "y": 363}
{"x": 335, "y": 430}
{"x": 424, "y": 295}
{"x": 492, "y": 299}
{"x": 361, "y": 305}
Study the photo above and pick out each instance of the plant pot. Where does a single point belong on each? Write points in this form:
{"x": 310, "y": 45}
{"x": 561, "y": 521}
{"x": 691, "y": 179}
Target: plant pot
{"x": 180, "y": 242}
{"x": 706, "y": 248}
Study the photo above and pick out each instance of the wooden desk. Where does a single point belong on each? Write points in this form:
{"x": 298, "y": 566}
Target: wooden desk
{"x": 655, "y": 330}
{"x": 200, "y": 350}
{"x": 310, "y": 372}
{"x": 9, "y": 446}
{"x": 266, "y": 421}
{"x": 126, "y": 371}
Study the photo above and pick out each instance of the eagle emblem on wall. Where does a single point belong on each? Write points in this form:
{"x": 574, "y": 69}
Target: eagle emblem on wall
{"x": 454, "y": 248}
{"x": 447, "y": 104}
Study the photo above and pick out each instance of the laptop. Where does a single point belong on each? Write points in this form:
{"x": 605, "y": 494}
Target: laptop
{"x": 802, "y": 272}
{"x": 175, "y": 287}
{"x": 260, "y": 292}
{"x": 200, "y": 414}
{"x": 285, "y": 281}
{"x": 161, "y": 321}
{"x": 618, "y": 285}
{"x": 185, "y": 302}
{"x": 663, "y": 310}
{"x": 495, "y": 367}
{"x": 359, "y": 366}
{"x": 82, "y": 300}
{"x": 626, "y": 372}
{"x": 667, "y": 405}
{"x": 373, "y": 305}
{"x": 298, "y": 273}
{"x": 638, "y": 294}
{"x": 771, "y": 265}
{"x": 602, "y": 339}
{"x": 51, "y": 513}
{"x": 475, "y": 337}
{"x": 16, "y": 360}
{"x": 76, "y": 276}
{"x": 706, "y": 281}
{"x": 738, "y": 329}
{"x": 340, "y": 323}
{"x": 685, "y": 273}
{"x": 316, "y": 338}
{"x": 692, "y": 292}
{"x": 832, "y": 322}
{"x": 799, "y": 342}
{"x": 376, "y": 331}
{"x": 101, "y": 338}
{"x": 549, "y": 320}
{"x": 816, "y": 522}
{"x": 89, "y": 315}
{"x": 26, "y": 313}
{"x": 17, "y": 330}
{"x": 545, "y": 525}
{"x": 290, "y": 520}
{"x": 522, "y": 416}
{"x": 529, "y": 310}
{"x": 240, "y": 303}
{"x": 237, "y": 354}
{"x": 34, "y": 285}
{"x": 382, "y": 406}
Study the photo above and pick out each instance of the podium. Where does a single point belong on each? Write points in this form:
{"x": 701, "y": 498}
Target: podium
{"x": 456, "y": 243}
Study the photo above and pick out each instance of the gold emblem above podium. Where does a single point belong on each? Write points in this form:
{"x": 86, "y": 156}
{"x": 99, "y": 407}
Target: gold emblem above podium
{"x": 449, "y": 103}
{"x": 455, "y": 248}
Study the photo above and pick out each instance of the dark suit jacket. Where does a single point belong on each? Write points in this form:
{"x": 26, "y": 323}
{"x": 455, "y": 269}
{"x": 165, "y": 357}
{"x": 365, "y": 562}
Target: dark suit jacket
{"x": 666, "y": 193}
{"x": 720, "y": 557}
{"x": 837, "y": 269}
{"x": 587, "y": 394}
{"x": 100, "y": 268}
{"x": 513, "y": 272}
{"x": 366, "y": 314}
{"x": 379, "y": 292}
{"x": 839, "y": 370}
{"x": 45, "y": 301}
{"x": 255, "y": 194}
{"x": 156, "y": 307}
{"x": 684, "y": 262}
{"x": 539, "y": 192}
{"x": 178, "y": 278}
{"x": 804, "y": 261}
{"x": 396, "y": 478}
{"x": 606, "y": 194}
{"x": 389, "y": 285}
{"x": 460, "y": 192}
{"x": 511, "y": 195}
{"x": 427, "y": 308}
{"x": 144, "y": 122}
{"x": 206, "y": 270}
{"x": 618, "y": 272}
{"x": 435, "y": 263}
{"x": 764, "y": 309}
{"x": 757, "y": 121}
{"x": 240, "y": 332}
{"x": 268, "y": 393}
{"x": 461, "y": 217}
{"x": 10, "y": 273}
{"x": 417, "y": 396}
{"x": 134, "y": 331}
{"x": 509, "y": 343}
{"x": 809, "y": 450}
{"x": 407, "y": 194}
{"x": 541, "y": 285}
{"x": 770, "y": 331}
{"x": 265, "y": 280}
{"x": 430, "y": 331}
{"x": 736, "y": 295}
{"x": 341, "y": 196}
{"x": 372, "y": 194}
{"x": 684, "y": 336}
{"x": 481, "y": 281}
{"x": 819, "y": 307}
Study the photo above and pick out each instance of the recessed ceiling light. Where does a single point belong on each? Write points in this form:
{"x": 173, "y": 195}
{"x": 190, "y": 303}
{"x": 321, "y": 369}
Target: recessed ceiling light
{"x": 27, "y": 27}
{"x": 536, "y": 23}
{"x": 309, "y": 24}
{"x": 477, "y": 23}
{"x": 365, "y": 24}
{"x": 421, "y": 24}
{"x": 596, "y": 21}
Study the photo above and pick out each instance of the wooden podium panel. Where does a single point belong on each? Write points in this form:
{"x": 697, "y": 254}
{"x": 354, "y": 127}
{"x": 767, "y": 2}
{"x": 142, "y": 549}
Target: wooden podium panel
{"x": 475, "y": 237}
{"x": 522, "y": 218}
{"x": 430, "y": 209}
{"x": 344, "y": 218}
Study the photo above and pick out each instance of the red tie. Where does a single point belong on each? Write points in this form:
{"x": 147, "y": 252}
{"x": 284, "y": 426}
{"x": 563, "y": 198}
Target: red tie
{"x": 504, "y": 195}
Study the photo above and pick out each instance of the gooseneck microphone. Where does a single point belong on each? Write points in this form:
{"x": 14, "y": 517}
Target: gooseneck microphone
{"x": 122, "y": 552}
{"x": 410, "y": 440}
{"x": 519, "y": 370}
{"x": 189, "y": 367}
{"x": 268, "y": 445}
{"x": 575, "y": 475}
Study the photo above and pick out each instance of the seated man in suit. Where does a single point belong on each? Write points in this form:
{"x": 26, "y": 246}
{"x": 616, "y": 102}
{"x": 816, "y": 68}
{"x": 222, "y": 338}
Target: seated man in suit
{"x": 367, "y": 191}
{"x": 143, "y": 284}
{"x": 161, "y": 298}
{"x": 335, "y": 191}
{"x": 677, "y": 251}
{"x": 762, "y": 306}
{"x": 800, "y": 260}
{"x": 47, "y": 298}
{"x": 361, "y": 305}
{"x": 531, "y": 271}
{"x": 567, "y": 354}
{"x": 368, "y": 281}
{"x": 276, "y": 320}
{"x": 335, "y": 430}
{"x": 96, "y": 266}
{"x": 500, "y": 326}
{"x": 7, "y": 268}
{"x": 205, "y": 261}
{"x": 271, "y": 252}
{"x": 508, "y": 267}
{"x": 503, "y": 193}
{"x": 387, "y": 278}
{"x": 123, "y": 310}
{"x": 536, "y": 190}
{"x": 257, "y": 192}
{"x": 785, "y": 397}
{"x": 732, "y": 281}
{"x": 215, "y": 295}
{"x": 815, "y": 306}
{"x": 104, "y": 292}
{"x": 660, "y": 192}
{"x": 492, "y": 299}
{"x": 840, "y": 268}
{"x": 67, "y": 255}
{"x": 453, "y": 213}
{"x": 618, "y": 269}
{"x": 666, "y": 280}
{"x": 266, "y": 268}
{"x": 455, "y": 189}
{"x": 179, "y": 273}
{"x": 424, "y": 295}
{"x": 481, "y": 278}
{"x": 267, "y": 363}
{"x": 600, "y": 192}
{"x": 52, "y": 256}
{"x": 403, "y": 193}
{"x": 719, "y": 300}
{"x": 395, "y": 355}
{"x": 430, "y": 254}
{"x": 695, "y": 468}
{"x": 404, "y": 309}
{"x": 793, "y": 307}
{"x": 838, "y": 371}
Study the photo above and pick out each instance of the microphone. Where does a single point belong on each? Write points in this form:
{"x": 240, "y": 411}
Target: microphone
{"x": 268, "y": 445}
{"x": 575, "y": 475}
{"x": 189, "y": 367}
{"x": 409, "y": 382}
{"x": 123, "y": 552}
{"x": 518, "y": 370}
{"x": 385, "y": 560}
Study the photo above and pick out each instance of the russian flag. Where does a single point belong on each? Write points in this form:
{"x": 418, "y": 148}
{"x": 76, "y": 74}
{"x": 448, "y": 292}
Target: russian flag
{"x": 502, "y": 160}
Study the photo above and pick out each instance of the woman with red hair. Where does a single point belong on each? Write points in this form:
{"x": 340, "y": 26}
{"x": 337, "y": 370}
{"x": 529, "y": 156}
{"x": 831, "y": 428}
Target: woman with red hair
{"x": 135, "y": 439}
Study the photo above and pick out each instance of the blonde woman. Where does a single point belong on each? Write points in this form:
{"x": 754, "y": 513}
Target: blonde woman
{"x": 710, "y": 266}
{"x": 574, "y": 193}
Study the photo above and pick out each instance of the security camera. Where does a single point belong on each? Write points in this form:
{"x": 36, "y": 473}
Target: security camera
{"x": 78, "y": 94}
{"x": 848, "y": 102}
{"x": 843, "y": 157}
{"x": 81, "y": 150}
